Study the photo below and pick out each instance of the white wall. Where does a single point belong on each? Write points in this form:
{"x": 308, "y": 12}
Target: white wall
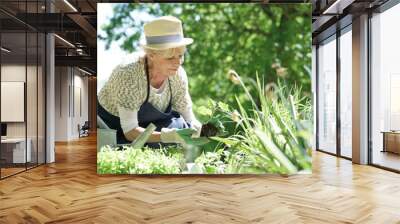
{"x": 79, "y": 117}
{"x": 61, "y": 103}
{"x": 14, "y": 73}
{"x": 33, "y": 126}
{"x": 70, "y": 83}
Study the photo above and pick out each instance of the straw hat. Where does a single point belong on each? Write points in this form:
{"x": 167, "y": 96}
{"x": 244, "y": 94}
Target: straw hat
{"x": 165, "y": 32}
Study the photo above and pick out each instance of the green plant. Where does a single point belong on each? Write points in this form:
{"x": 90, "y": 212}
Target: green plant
{"x": 211, "y": 163}
{"x": 214, "y": 117}
{"x": 225, "y": 162}
{"x": 139, "y": 161}
{"x": 218, "y": 120}
{"x": 186, "y": 134}
{"x": 274, "y": 136}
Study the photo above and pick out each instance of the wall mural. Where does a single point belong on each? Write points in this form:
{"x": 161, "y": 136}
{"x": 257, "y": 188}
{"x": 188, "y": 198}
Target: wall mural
{"x": 204, "y": 88}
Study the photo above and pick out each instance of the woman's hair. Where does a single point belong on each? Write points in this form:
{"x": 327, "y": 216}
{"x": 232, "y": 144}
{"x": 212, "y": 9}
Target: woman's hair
{"x": 167, "y": 53}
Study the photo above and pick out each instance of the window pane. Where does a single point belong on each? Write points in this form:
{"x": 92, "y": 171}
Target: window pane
{"x": 314, "y": 94}
{"x": 13, "y": 85}
{"x": 327, "y": 96}
{"x": 346, "y": 94}
{"x": 386, "y": 89}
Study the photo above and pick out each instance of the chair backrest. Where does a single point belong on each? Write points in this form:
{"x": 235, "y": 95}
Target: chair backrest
{"x": 85, "y": 126}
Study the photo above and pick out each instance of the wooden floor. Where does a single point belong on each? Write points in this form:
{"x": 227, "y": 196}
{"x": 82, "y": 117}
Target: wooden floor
{"x": 387, "y": 159}
{"x": 10, "y": 171}
{"x": 70, "y": 191}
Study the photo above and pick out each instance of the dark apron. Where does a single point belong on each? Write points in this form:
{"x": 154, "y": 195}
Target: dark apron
{"x": 147, "y": 114}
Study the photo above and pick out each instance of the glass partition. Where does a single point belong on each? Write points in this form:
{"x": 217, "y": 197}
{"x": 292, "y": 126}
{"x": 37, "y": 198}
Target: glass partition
{"x": 327, "y": 95}
{"x": 22, "y": 89}
{"x": 346, "y": 93}
{"x": 385, "y": 89}
{"x": 13, "y": 93}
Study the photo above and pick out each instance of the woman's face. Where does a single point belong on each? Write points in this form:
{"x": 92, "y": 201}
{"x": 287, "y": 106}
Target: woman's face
{"x": 167, "y": 65}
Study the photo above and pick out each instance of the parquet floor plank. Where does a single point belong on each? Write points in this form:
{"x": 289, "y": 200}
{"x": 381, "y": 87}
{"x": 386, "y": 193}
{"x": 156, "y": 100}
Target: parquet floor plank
{"x": 70, "y": 191}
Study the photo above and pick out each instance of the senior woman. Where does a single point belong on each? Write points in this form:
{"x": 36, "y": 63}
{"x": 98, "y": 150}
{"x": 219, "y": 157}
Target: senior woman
{"x": 152, "y": 89}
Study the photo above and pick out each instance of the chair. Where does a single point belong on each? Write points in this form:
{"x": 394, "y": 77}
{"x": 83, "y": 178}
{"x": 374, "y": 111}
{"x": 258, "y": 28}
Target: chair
{"x": 84, "y": 130}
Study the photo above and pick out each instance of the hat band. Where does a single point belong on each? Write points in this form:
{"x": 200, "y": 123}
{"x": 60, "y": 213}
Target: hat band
{"x": 164, "y": 39}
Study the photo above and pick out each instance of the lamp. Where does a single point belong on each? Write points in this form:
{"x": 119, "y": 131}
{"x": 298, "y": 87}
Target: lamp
{"x": 64, "y": 40}
{"x": 5, "y": 50}
{"x": 70, "y": 5}
{"x": 84, "y": 71}
{"x": 337, "y": 7}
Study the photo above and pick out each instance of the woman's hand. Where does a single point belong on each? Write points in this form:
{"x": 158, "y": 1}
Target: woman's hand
{"x": 173, "y": 135}
{"x": 197, "y": 126}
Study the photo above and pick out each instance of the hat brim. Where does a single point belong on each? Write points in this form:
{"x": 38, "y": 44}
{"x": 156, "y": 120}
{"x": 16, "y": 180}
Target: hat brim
{"x": 184, "y": 42}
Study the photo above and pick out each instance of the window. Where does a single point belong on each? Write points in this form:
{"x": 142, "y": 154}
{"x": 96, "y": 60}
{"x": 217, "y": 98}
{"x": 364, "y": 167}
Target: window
{"x": 346, "y": 92}
{"x": 385, "y": 88}
{"x": 327, "y": 95}
{"x": 22, "y": 76}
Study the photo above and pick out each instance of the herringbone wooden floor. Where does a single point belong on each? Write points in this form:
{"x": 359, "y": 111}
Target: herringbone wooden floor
{"x": 70, "y": 191}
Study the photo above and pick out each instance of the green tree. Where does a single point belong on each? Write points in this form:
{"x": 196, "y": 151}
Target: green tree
{"x": 273, "y": 40}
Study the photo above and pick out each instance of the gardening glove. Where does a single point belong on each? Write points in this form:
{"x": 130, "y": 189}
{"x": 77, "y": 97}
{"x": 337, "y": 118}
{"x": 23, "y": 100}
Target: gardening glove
{"x": 197, "y": 126}
{"x": 173, "y": 135}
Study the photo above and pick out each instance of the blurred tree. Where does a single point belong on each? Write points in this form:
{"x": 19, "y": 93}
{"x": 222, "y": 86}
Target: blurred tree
{"x": 273, "y": 40}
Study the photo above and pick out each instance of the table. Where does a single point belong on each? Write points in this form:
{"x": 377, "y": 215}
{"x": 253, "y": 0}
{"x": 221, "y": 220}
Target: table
{"x": 391, "y": 141}
{"x": 16, "y": 147}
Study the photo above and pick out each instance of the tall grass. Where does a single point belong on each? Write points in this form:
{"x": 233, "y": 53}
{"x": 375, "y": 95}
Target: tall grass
{"x": 273, "y": 135}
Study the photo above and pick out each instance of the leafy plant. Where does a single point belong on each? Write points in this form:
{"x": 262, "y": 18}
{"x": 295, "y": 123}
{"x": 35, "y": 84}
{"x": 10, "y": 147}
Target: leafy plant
{"x": 215, "y": 117}
{"x": 139, "y": 161}
{"x": 274, "y": 136}
{"x": 186, "y": 134}
{"x": 211, "y": 163}
{"x": 218, "y": 120}
{"x": 225, "y": 161}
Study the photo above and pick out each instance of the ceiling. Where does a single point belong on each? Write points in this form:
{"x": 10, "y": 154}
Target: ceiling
{"x": 330, "y": 15}
{"x": 74, "y": 22}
